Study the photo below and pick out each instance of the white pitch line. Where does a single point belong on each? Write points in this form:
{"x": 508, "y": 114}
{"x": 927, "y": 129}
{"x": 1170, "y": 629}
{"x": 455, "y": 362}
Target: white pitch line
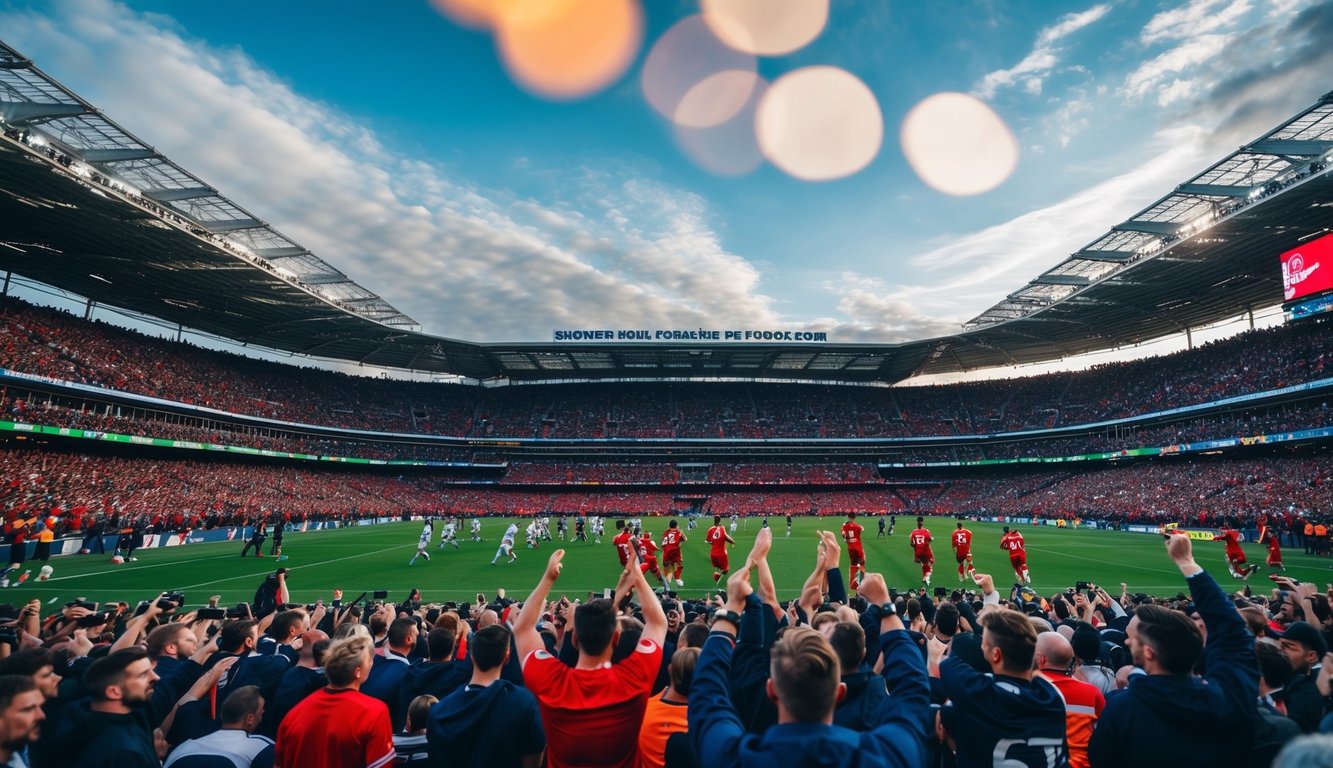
{"x": 135, "y": 567}
{"x": 298, "y": 567}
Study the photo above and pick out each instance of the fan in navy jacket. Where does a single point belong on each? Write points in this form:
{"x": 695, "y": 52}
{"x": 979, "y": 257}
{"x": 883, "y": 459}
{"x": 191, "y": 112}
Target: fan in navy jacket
{"x": 1169, "y": 717}
{"x": 806, "y": 685}
{"x": 1010, "y": 717}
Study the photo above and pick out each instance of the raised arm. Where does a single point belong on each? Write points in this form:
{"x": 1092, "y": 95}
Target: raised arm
{"x": 526, "y": 637}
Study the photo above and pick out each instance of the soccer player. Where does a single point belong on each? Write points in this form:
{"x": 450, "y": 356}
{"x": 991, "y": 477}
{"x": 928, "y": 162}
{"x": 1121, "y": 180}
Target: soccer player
{"x": 598, "y": 528}
{"x": 920, "y": 540}
{"x": 423, "y": 543}
{"x": 1270, "y": 538}
{"x": 507, "y": 544}
{"x": 851, "y": 533}
{"x": 476, "y": 529}
{"x": 718, "y": 538}
{"x": 789, "y": 526}
{"x": 962, "y": 550}
{"x": 448, "y": 534}
{"x": 648, "y": 550}
{"x": 1235, "y": 555}
{"x": 579, "y": 533}
{"x": 734, "y": 520}
{"x": 893, "y": 521}
{"x": 624, "y": 542}
{"x": 880, "y": 535}
{"x": 562, "y": 526}
{"x": 1012, "y": 542}
{"x": 672, "y": 564}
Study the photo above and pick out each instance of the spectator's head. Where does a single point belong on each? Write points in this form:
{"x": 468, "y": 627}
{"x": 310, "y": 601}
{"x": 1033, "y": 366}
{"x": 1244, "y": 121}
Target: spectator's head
{"x": 489, "y": 647}
{"x": 313, "y": 645}
{"x": 120, "y": 680}
{"x": 849, "y": 643}
{"x": 692, "y": 635}
{"x": 920, "y": 521}
{"x": 851, "y": 515}
{"x": 682, "y": 669}
{"x": 595, "y": 627}
{"x": 174, "y": 641}
{"x": 804, "y": 677}
{"x": 37, "y": 663}
{"x": 717, "y": 519}
{"x": 487, "y": 618}
{"x": 1053, "y": 653}
{"x": 1163, "y": 641}
{"x": 960, "y": 525}
{"x": 1274, "y": 667}
{"x": 348, "y": 659}
{"x": 1303, "y": 644}
{"x": 403, "y": 635}
{"x": 672, "y": 524}
{"x": 1009, "y": 643}
{"x": 418, "y": 712}
{"x": 238, "y": 636}
{"x": 946, "y": 620}
{"x": 21, "y": 712}
{"x": 1312, "y": 751}
{"x": 1006, "y": 529}
{"x": 243, "y": 709}
{"x": 440, "y": 643}
{"x": 287, "y": 625}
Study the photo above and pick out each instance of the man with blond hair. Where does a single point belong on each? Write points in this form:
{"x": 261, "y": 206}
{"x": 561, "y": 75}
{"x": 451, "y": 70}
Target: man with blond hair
{"x": 338, "y": 725}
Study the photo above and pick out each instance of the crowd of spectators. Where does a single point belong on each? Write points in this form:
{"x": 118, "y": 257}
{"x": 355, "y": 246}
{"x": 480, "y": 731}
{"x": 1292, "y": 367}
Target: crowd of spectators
{"x": 58, "y": 345}
{"x": 975, "y": 676}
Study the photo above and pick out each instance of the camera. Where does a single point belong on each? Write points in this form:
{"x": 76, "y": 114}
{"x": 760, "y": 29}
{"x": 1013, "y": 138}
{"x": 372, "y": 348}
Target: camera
{"x": 211, "y": 613}
{"x": 380, "y": 594}
{"x": 1082, "y": 585}
{"x": 92, "y": 620}
{"x": 171, "y": 601}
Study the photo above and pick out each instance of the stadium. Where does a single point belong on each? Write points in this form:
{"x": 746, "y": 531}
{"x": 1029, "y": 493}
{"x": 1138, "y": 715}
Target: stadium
{"x": 121, "y": 435}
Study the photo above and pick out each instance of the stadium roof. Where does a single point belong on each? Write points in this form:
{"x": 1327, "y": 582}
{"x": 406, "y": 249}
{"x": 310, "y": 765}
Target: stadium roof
{"x": 90, "y": 208}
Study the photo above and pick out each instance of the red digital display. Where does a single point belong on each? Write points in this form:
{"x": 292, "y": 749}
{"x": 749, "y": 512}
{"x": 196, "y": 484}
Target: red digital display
{"x": 1308, "y": 270}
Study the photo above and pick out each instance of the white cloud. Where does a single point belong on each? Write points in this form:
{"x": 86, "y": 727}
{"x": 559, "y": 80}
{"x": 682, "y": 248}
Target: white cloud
{"x": 1164, "y": 74}
{"x": 1197, "y": 17}
{"x": 1044, "y": 56}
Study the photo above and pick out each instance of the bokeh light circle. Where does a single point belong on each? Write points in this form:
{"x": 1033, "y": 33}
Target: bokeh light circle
{"x": 716, "y": 99}
{"x": 567, "y": 49}
{"x": 681, "y": 60}
{"x": 729, "y": 148}
{"x": 819, "y": 123}
{"x": 478, "y": 14}
{"x": 958, "y": 145}
{"x": 766, "y": 27}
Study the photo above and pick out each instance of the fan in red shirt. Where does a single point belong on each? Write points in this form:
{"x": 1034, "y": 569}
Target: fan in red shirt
{"x": 1012, "y": 541}
{"x": 718, "y": 538}
{"x": 672, "y": 565}
{"x": 962, "y": 549}
{"x": 1270, "y": 537}
{"x": 851, "y": 533}
{"x": 920, "y": 540}
{"x": 624, "y": 541}
{"x": 1235, "y": 555}
{"x": 592, "y": 712}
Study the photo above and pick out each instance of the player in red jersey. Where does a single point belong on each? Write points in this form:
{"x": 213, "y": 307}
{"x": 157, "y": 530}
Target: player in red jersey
{"x": 1270, "y": 538}
{"x": 624, "y": 541}
{"x": 1235, "y": 555}
{"x": 962, "y": 549}
{"x": 851, "y": 533}
{"x": 718, "y": 538}
{"x": 1012, "y": 542}
{"x": 672, "y": 565}
{"x": 648, "y": 550}
{"x": 920, "y": 540}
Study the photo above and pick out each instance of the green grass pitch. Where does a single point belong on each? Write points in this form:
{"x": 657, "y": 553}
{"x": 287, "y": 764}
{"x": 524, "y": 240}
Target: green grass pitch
{"x": 376, "y": 557}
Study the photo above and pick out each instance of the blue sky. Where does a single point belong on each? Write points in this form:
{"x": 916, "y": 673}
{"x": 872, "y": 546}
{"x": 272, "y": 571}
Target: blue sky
{"x": 393, "y": 144}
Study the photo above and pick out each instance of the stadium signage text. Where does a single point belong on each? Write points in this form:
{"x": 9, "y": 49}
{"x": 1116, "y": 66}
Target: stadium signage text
{"x": 696, "y": 334}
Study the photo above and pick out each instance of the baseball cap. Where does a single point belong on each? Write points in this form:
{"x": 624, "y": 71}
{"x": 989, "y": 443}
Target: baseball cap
{"x": 1306, "y": 634}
